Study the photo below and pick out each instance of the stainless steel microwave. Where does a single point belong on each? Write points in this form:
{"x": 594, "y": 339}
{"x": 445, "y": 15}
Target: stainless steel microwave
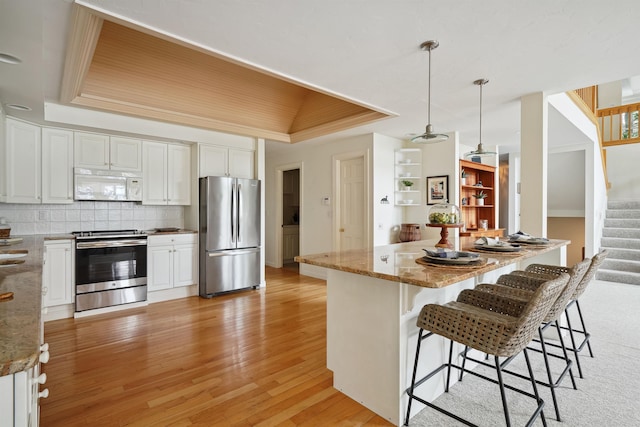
{"x": 95, "y": 184}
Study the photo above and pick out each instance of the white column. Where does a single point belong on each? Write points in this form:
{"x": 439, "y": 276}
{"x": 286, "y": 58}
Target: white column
{"x": 534, "y": 120}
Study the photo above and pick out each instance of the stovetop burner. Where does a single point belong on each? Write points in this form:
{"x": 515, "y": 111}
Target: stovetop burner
{"x": 107, "y": 233}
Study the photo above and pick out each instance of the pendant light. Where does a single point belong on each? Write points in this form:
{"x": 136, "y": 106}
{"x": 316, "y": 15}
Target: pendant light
{"x": 429, "y": 137}
{"x": 480, "y": 151}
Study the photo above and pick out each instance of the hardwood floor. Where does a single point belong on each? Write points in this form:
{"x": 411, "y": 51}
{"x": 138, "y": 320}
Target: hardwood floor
{"x": 255, "y": 358}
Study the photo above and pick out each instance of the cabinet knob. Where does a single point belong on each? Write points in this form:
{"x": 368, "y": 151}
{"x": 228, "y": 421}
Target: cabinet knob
{"x": 41, "y": 379}
{"x": 43, "y": 394}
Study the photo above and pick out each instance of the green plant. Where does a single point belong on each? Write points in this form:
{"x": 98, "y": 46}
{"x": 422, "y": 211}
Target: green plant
{"x": 407, "y": 183}
{"x": 480, "y": 195}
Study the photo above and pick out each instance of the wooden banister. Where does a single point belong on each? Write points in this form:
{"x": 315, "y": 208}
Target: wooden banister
{"x": 619, "y": 124}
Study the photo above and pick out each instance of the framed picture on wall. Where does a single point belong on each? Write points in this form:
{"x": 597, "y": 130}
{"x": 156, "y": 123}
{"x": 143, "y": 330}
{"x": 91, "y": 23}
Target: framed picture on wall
{"x": 437, "y": 189}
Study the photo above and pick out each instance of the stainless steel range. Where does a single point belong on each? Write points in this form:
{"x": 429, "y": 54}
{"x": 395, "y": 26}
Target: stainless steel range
{"x": 111, "y": 268}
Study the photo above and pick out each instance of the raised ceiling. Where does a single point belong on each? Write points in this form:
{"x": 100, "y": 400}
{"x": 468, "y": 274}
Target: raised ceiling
{"x": 121, "y": 69}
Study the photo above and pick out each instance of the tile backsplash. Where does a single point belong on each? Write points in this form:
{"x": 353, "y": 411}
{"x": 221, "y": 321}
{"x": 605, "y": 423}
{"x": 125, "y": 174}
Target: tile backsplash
{"x": 25, "y": 219}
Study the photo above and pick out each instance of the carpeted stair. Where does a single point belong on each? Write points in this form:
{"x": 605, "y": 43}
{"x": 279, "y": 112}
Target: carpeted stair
{"x": 621, "y": 236}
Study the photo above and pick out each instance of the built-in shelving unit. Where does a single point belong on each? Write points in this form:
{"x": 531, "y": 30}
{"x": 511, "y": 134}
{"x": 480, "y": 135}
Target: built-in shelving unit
{"x": 479, "y": 178}
{"x": 408, "y": 167}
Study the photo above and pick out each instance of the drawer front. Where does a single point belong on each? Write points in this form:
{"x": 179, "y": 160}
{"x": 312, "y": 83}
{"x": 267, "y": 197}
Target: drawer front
{"x": 171, "y": 239}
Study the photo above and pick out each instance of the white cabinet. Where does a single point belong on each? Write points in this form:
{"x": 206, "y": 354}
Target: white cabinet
{"x": 22, "y": 156}
{"x": 97, "y": 151}
{"x": 408, "y": 177}
{"x": 290, "y": 242}
{"x": 218, "y": 160}
{"x": 57, "y": 166}
{"x": 166, "y": 171}
{"x": 171, "y": 261}
{"x": 57, "y": 273}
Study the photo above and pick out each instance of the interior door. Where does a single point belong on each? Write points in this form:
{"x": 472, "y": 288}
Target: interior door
{"x": 352, "y": 209}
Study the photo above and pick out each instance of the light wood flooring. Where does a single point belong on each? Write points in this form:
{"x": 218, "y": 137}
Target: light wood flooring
{"x": 255, "y": 358}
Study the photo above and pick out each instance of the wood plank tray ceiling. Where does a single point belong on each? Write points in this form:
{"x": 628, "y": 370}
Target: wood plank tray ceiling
{"x": 114, "y": 67}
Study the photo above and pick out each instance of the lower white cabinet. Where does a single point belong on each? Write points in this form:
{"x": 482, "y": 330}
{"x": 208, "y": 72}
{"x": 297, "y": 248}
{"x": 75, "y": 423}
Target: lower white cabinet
{"x": 171, "y": 261}
{"x": 21, "y": 393}
{"x": 290, "y": 242}
{"x": 57, "y": 273}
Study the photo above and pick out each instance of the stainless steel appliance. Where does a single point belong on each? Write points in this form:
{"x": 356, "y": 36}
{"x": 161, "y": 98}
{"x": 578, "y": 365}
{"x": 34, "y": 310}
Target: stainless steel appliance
{"x": 111, "y": 268}
{"x": 229, "y": 234}
{"x": 96, "y": 184}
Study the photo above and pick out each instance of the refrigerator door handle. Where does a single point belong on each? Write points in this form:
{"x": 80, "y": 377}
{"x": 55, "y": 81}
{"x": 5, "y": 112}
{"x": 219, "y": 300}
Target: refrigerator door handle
{"x": 233, "y": 213}
{"x": 233, "y": 252}
{"x": 239, "y": 210}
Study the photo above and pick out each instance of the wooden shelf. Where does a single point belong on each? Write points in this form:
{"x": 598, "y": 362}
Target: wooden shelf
{"x": 472, "y": 213}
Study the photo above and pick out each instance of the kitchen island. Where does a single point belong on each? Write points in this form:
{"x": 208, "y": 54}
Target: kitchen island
{"x": 373, "y": 299}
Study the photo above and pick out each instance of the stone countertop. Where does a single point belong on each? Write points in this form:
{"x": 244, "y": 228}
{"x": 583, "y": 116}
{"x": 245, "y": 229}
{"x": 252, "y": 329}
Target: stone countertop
{"x": 397, "y": 263}
{"x": 20, "y": 316}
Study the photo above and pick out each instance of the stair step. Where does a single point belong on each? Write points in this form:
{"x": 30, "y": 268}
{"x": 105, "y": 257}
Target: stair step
{"x": 626, "y": 233}
{"x": 623, "y": 204}
{"x": 623, "y": 213}
{"x": 620, "y": 243}
{"x": 618, "y": 276}
{"x": 622, "y": 222}
{"x": 621, "y": 265}
{"x": 619, "y": 253}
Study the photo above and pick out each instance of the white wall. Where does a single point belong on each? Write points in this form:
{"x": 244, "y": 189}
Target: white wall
{"x": 386, "y": 218}
{"x": 623, "y": 172}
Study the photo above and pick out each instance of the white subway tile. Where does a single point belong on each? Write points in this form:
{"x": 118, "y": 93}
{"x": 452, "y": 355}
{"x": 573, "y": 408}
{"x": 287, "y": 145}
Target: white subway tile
{"x": 58, "y": 216}
{"x": 102, "y": 205}
{"x": 73, "y": 215}
{"x": 43, "y": 227}
{"x": 58, "y": 227}
{"x": 87, "y": 205}
{"x": 101, "y": 225}
{"x": 88, "y": 215}
{"x": 115, "y": 215}
{"x": 101, "y": 215}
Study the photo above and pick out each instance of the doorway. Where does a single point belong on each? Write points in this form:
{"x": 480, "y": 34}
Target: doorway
{"x": 290, "y": 218}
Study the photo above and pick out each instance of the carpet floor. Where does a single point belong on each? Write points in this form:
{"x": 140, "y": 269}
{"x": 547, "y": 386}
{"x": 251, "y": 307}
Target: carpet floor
{"x": 606, "y": 396}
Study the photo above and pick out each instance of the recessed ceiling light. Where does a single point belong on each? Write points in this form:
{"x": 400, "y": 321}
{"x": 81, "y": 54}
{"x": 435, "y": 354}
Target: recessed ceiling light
{"x": 9, "y": 59}
{"x": 18, "y": 107}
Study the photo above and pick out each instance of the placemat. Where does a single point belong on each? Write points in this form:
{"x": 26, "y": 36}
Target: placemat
{"x": 480, "y": 263}
{"x": 501, "y": 253}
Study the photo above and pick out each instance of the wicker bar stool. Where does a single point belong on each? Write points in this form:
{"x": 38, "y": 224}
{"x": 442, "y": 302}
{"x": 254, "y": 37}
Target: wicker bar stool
{"x": 502, "y": 331}
{"x": 521, "y": 285}
{"x": 596, "y": 261}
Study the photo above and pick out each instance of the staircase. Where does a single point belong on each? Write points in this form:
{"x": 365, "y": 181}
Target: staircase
{"x": 621, "y": 237}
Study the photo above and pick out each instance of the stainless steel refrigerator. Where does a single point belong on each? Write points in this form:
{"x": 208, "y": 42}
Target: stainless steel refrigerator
{"x": 229, "y": 234}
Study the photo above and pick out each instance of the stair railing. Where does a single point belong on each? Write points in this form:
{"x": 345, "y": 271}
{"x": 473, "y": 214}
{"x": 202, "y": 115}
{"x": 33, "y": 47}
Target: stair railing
{"x": 619, "y": 124}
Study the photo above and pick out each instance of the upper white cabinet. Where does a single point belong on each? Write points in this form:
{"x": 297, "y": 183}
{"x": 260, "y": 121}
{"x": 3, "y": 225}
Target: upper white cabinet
{"x": 97, "y": 151}
{"x": 57, "y": 166}
{"x": 216, "y": 160}
{"x": 21, "y": 166}
{"x": 166, "y": 174}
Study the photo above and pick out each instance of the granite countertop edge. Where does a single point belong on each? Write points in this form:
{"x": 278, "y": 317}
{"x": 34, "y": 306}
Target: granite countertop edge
{"x": 367, "y": 262}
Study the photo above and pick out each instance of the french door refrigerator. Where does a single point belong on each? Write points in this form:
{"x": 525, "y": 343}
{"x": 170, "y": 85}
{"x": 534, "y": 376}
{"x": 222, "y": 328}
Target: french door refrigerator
{"x": 229, "y": 234}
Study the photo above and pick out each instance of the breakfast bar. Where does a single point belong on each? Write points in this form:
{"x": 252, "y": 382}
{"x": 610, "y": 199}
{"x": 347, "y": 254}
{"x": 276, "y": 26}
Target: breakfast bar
{"x": 373, "y": 299}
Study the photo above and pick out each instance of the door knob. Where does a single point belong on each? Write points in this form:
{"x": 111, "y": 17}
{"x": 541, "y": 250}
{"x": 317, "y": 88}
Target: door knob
{"x": 342, "y": 230}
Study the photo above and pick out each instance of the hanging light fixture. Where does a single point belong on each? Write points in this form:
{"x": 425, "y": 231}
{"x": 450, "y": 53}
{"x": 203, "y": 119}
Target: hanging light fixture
{"x": 480, "y": 151}
{"x": 429, "y": 137}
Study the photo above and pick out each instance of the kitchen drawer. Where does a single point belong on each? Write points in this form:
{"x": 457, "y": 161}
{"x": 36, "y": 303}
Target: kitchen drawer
{"x": 171, "y": 239}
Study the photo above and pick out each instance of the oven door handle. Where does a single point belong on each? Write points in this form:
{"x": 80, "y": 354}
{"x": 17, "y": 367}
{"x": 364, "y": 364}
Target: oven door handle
{"x": 111, "y": 244}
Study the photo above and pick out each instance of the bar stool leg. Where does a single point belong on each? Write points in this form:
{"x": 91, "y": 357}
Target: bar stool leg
{"x": 535, "y": 390}
{"x": 413, "y": 377}
{"x": 566, "y": 355}
{"x": 573, "y": 345}
{"x": 464, "y": 361}
{"x": 502, "y": 393}
{"x": 446, "y": 386}
{"x": 584, "y": 328}
{"x": 546, "y": 364}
